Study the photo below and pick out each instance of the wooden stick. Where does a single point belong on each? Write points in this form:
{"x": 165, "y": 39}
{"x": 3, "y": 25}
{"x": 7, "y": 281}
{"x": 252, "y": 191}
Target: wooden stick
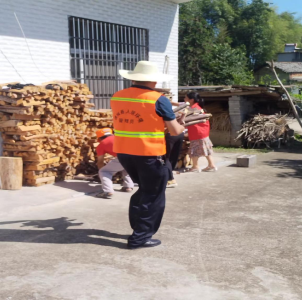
{"x": 197, "y": 117}
{"x": 181, "y": 107}
{"x": 195, "y": 122}
{"x": 287, "y": 94}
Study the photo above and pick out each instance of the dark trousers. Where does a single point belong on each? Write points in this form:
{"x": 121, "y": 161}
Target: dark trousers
{"x": 147, "y": 205}
{"x": 174, "y": 146}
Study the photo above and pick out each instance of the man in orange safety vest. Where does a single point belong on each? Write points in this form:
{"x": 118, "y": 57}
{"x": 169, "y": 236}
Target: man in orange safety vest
{"x": 140, "y": 115}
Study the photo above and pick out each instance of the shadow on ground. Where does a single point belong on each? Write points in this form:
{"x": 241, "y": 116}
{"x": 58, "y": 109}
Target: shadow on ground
{"x": 86, "y": 187}
{"x": 291, "y": 167}
{"x": 293, "y": 146}
{"x": 60, "y": 234}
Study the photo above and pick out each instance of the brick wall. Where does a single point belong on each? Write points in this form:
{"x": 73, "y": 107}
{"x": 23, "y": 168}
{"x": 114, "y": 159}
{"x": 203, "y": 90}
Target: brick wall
{"x": 45, "y": 24}
{"x": 239, "y": 108}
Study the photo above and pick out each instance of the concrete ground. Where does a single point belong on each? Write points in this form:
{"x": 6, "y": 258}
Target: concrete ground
{"x": 293, "y": 124}
{"x": 231, "y": 235}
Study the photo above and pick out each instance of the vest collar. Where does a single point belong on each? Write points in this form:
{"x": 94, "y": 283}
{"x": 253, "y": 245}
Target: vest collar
{"x": 141, "y": 87}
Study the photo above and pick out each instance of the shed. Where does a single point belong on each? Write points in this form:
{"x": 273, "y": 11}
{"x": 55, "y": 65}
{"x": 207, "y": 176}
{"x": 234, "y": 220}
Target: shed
{"x": 232, "y": 105}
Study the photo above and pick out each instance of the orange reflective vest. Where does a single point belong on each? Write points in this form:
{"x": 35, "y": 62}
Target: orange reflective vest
{"x": 138, "y": 129}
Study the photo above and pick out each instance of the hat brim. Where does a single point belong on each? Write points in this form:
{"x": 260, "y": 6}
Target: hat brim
{"x": 145, "y": 77}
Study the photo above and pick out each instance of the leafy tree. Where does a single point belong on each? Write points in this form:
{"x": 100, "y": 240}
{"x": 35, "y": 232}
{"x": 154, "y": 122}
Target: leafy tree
{"x": 196, "y": 42}
{"x": 253, "y": 30}
{"x": 228, "y": 66}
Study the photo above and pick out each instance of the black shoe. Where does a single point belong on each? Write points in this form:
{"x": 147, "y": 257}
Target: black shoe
{"x": 148, "y": 244}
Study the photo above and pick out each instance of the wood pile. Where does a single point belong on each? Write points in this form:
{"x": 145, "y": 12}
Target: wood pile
{"x": 263, "y": 129}
{"x": 220, "y": 120}
{"x": 52, "y": 127}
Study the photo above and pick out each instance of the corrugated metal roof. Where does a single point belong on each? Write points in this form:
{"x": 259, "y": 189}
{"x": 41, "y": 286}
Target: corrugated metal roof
{"x": 289, "y": 67}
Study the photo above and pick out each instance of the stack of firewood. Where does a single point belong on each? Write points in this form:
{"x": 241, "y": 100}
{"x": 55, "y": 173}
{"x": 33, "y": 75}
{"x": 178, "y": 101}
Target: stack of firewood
{"x": 52, "y": 127}
{"x": 263, "y": 129}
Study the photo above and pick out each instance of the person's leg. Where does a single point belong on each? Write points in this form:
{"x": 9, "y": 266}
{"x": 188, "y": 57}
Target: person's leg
{"x": 106, "y": 174}
{"x": 210, "y": 161}
{"x": 208, "y": 151}
{"x": 169, "y": 147}
{"x": 177, "y": 146}
{"x": 153, "y": 177}
{"x": 169, "y": 144}
{"x": 127, "y": 181}
{"x": 127, "y": 163}
{"x": 195, "y": 162}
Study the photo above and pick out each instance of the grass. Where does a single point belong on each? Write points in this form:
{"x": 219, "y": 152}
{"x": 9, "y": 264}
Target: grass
{"x": 298, "y": 137}
{"x": 241, "y": 150}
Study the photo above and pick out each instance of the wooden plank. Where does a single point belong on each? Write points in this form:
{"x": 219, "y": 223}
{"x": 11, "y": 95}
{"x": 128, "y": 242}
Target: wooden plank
{"x": 34, "y": 137}
{"x": 10, "y": 100}
{"x": 47, "y": 161}
{"x": 22, "y": 148}
{"x": 45, "y": 179}
{"x": 10, "y": 123}
{"x": 15, "y": 109}
{"x": 19, "y": 143}
{"x": 28, "y": 128}
{"x": 32, "y": 103}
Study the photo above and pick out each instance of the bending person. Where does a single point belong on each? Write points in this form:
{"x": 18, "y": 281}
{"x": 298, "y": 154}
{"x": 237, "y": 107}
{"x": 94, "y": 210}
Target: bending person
{"x": 106, "y": 139}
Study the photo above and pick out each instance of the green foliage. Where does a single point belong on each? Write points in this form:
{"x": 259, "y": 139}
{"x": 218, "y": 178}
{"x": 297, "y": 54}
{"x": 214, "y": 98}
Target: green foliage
{"x": 213, "y": 34}
{"x": 228, "y": 66}
{"x": 267, "y": 80}
{"x": 298, "y": 137}
{"x": 241, "y": 150}
{"x": 297, "y": 96}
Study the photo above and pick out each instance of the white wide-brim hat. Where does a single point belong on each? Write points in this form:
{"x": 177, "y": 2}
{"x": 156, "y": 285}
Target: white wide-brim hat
{"x": 145, "y": 71}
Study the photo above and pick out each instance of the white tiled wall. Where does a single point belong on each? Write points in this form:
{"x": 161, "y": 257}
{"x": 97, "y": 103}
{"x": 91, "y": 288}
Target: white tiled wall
{"x": 45, "y": 23}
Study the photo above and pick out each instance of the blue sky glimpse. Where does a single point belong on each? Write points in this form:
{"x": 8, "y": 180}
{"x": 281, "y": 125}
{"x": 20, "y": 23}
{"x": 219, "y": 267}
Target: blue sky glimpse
{"x": 288, "y": 5}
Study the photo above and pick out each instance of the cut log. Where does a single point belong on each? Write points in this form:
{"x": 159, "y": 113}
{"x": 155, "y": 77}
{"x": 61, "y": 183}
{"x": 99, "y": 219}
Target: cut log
{"x": 11, "y": 169}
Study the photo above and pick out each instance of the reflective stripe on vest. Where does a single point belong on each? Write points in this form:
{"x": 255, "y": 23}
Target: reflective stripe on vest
{"x": 137, "y": 127}
{"x": 139, "y": 134}
{"x": 133, "y": 100}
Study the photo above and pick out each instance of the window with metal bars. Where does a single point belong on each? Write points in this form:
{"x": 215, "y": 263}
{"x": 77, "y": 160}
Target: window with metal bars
{"x": 98, "y": 50}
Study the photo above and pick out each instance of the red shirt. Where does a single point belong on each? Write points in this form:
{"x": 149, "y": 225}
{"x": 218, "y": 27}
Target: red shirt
{"x": 198, "y": 131}
{"x": 106, "y": 146}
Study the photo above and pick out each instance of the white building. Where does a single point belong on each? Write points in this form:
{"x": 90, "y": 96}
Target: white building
{"x": 87, "y": 40}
